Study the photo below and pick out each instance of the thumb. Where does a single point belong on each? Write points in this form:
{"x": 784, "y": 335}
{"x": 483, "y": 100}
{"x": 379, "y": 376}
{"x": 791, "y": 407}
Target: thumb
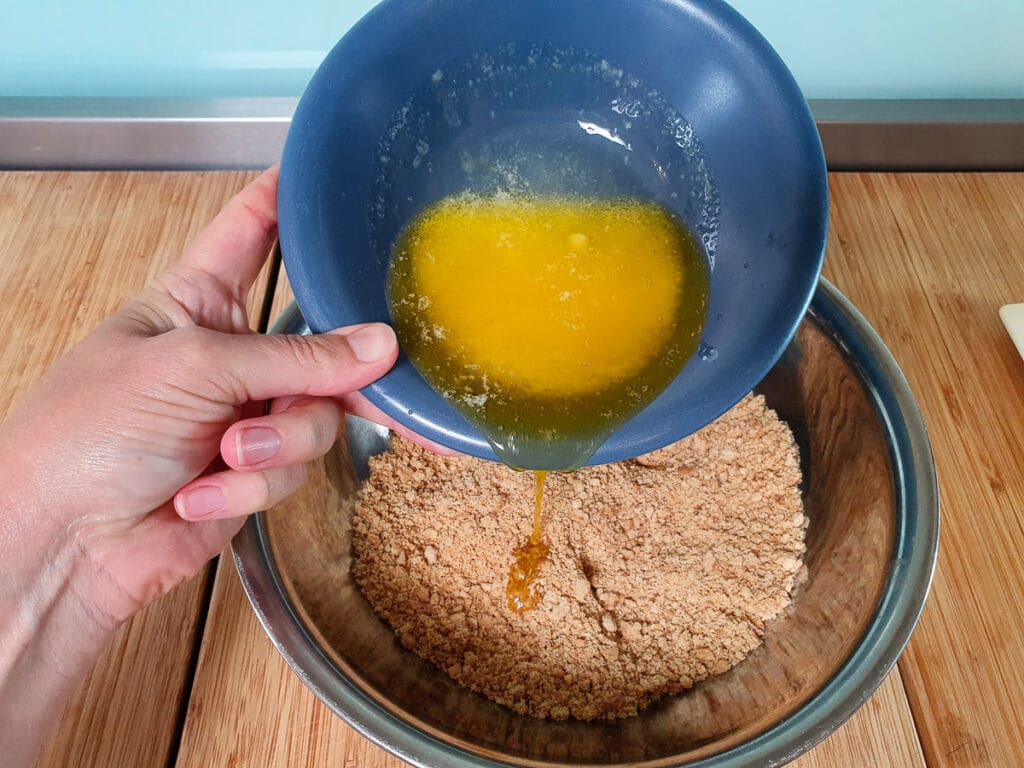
{"x": 256, "y": 367}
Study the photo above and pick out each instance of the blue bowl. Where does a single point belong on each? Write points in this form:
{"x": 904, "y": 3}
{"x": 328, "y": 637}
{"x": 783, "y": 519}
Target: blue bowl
{"x": 682, "y": 102}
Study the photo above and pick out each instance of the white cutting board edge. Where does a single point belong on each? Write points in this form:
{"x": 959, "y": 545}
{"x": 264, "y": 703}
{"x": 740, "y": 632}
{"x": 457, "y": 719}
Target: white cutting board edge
{"x": 1013, "y": 319}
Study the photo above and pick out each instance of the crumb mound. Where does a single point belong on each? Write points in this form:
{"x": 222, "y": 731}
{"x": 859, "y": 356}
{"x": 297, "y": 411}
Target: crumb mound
{"x": 662, "y": 571}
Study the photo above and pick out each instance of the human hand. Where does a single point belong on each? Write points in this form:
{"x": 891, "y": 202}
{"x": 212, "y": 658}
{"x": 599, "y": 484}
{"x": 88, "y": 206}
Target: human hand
{"x": 133, "y": 460}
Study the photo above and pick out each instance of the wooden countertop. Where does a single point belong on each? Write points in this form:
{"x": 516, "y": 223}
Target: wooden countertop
{"x": 928, "y": 258}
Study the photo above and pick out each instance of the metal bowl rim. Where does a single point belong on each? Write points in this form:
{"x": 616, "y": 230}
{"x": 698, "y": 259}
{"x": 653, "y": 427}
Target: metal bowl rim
{"x": 898, "y": 610}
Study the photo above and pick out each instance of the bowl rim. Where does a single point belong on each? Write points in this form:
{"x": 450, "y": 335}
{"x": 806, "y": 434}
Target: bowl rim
{"x": 912, "y": 566}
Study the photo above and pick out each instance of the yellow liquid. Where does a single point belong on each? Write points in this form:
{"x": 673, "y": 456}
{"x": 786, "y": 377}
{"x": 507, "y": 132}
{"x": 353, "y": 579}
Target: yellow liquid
{"x": 527, "y": 559}
{"x": 547, "y": 321}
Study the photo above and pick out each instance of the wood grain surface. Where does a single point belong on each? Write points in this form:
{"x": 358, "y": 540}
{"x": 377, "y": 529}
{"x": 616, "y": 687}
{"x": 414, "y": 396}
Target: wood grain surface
{"x": 74, "y": 247}
{"x": 928, "y": 259}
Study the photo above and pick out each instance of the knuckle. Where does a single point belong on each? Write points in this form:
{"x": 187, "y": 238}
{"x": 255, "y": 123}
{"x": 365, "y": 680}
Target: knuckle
{"x": 277, "y": 484}
{"x": 178, "y": 356}
{"x": 265, "y": 489}
{"x": 192, "y": 347}
{"x": 322, "y": 428}
{"x": 310, "y": 352}
{"x": 324, "y": 433}
{"x": 299, "y": 474}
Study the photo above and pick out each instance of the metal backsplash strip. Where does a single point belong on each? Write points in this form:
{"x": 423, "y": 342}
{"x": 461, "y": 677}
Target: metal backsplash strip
{"x": 933, "y": 135}
{"x": 151, "y": 134}
{"x": 192, "y": 134}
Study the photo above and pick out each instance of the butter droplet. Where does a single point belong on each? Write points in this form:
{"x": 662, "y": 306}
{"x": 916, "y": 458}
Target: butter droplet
{"x": 577, "y": 241}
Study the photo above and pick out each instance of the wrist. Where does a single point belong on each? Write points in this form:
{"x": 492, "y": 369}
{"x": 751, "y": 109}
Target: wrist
{"x": 51, "y": 628}
{"x": 47, "y": 563}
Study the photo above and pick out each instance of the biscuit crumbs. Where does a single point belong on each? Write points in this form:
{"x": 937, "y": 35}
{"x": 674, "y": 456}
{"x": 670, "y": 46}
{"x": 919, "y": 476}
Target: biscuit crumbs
{"x": 662, "y": 570}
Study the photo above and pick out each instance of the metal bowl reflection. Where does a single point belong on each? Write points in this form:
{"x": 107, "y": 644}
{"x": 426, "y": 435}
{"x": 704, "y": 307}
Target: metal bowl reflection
{"x": 870, "y": 493}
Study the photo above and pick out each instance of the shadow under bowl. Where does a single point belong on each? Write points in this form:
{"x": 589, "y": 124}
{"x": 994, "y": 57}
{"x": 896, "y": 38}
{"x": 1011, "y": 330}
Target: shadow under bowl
{"x": 870, "y": 494}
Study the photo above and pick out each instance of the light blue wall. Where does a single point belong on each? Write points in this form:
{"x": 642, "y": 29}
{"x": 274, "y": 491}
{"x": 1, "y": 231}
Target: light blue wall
{"x": 836, "y": 48}
{"x": 893, "y": 49}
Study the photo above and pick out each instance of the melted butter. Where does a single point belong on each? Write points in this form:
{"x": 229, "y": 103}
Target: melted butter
{"x": 520, "y": 589}
{"x": 547, "y": 322}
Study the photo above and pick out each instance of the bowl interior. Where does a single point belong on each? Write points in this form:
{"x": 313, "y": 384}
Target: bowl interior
{"x": 866, "y": 548}
{"x": 680, "y": 102}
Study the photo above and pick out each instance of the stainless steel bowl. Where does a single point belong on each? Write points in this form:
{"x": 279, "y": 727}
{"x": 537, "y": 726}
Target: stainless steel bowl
{"x": 870, "y": 493}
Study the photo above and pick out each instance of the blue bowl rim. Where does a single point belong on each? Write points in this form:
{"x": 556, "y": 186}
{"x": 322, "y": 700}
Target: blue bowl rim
{"x": 899, "y": 606}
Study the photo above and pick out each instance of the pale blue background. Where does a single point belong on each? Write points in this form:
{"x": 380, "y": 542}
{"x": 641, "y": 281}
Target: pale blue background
{"x": 836, "y": 48}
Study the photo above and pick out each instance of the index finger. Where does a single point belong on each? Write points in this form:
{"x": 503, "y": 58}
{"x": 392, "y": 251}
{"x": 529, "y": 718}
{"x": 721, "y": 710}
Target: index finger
{"x": 233, "y": 247}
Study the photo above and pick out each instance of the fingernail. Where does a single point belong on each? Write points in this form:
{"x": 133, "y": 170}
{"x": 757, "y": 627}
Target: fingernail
{"x": 255, "y": 445}
{"x": 201, "y": 501}
{"x": 372, "y": 343}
